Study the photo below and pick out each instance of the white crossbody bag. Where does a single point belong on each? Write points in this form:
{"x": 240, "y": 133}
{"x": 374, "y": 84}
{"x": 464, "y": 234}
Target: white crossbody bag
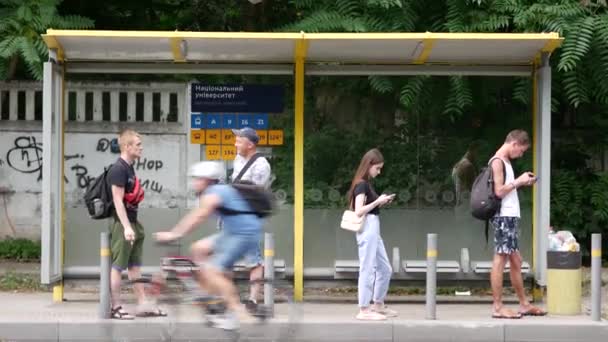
{"x": 351, "y": 221}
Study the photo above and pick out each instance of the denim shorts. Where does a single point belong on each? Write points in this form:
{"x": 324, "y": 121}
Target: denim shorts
{"x": 230, "y": 248}
{"x": 506, "y": 234}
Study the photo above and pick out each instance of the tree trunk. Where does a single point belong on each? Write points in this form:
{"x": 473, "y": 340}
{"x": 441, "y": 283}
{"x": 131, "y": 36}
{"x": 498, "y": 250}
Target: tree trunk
{"x": 12, "y": 67}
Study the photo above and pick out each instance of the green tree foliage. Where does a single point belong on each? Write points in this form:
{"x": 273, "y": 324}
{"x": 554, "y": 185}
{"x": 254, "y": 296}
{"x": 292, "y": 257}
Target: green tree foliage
{"x": 443, "y": 105}
{"x": 21, "y": 23}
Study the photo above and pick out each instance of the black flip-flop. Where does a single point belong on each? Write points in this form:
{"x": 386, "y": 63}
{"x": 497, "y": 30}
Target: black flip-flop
{"x": 534, "y": 311}
{"x": 120, "y": 313}
{"x": 497, "y": 315}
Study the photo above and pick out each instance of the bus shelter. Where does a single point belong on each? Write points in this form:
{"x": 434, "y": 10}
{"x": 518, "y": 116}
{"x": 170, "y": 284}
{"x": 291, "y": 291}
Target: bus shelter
{"x": 298, "y": 54}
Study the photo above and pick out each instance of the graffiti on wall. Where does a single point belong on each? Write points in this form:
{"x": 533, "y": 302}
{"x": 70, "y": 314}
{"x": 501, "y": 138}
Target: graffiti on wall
{"x": 25, "y": 156}
{"x": 86, "y": 155}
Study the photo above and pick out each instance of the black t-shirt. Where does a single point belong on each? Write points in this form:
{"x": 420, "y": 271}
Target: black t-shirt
{"x": 122, "y": 175}
{"x": 363, "y": 187}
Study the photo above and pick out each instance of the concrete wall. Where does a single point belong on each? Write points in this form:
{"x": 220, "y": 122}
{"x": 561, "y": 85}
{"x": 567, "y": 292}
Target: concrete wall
{"x": 86, "y": 154}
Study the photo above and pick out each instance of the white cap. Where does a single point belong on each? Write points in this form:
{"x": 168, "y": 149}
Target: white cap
{"x": 208, "y": 169}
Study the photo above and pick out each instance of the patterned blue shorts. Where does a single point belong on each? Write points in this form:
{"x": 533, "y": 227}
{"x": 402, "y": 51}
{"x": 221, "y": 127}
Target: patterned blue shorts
{"x": 506, "y": 234}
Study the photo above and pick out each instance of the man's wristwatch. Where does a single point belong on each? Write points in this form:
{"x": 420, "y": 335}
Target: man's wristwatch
{"x": 512, "y": 183}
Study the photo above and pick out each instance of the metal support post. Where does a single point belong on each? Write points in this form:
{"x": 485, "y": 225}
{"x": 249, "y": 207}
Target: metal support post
{"x": 431, "y": 276}
{"x": 104, "y": 276}
{"x": 396, "y": 260}
{"x": 596, "y": 277}
{"x": 269, "y": 272}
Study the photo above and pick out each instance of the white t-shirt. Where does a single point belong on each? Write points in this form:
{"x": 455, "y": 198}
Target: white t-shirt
{"x": 510, "y": 203}
{"x": 258, "y": 173}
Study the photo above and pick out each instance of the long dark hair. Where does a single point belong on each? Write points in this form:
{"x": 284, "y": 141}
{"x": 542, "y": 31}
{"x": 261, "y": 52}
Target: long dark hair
{"x": 370, "y": 158}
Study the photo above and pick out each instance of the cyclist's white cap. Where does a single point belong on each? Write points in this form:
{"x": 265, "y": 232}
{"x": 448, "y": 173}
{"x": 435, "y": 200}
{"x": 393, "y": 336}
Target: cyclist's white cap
{"x": 208, "y": 169}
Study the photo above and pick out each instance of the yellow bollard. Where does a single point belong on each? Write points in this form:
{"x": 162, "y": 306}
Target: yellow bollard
{"x": 564, "y": 280}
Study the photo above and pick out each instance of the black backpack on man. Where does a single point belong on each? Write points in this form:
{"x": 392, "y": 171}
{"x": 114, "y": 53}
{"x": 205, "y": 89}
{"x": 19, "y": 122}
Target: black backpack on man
{"x": 484, "y": 202}
{"x": 259, "y": 199}
{"x": 98, "y": 197}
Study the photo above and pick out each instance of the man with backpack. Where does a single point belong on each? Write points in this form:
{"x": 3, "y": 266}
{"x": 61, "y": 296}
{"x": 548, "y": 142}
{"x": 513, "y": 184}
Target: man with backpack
{"x": 506, "y": 224}
{"x": 250, "y": 166}
{"x": 126, "y": 232}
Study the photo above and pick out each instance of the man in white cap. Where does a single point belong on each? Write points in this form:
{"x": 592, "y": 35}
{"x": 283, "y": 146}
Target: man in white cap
{"x": 240, "y": 236}
{"x": 250, "y": 166}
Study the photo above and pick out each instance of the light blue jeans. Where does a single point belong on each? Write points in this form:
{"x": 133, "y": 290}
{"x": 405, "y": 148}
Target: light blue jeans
{"x": 374, "y": 268}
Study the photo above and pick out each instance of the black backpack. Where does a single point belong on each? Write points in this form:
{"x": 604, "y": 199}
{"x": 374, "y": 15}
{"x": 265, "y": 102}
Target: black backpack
{"x": 484, "y": 202}
{"x": 260, "y": 200}
{"x": 98, "y": 197}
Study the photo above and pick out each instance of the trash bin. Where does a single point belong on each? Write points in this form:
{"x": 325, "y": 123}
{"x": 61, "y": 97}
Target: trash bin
{"x": 564, "y": 286}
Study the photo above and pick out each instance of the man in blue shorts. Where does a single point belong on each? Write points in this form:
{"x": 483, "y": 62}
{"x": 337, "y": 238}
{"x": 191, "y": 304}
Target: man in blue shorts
{"x": 506, "y": 225}
{"x": 239, "y": 237}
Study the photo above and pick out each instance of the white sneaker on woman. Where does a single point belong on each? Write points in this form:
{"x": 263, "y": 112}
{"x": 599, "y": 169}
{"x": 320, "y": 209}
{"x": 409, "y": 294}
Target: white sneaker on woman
{"x": 385, "y": 310}
{"x": 370, "y": 315}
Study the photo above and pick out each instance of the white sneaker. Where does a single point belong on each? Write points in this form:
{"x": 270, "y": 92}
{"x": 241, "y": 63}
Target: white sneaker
{"x": 384, "y": 310}
{"x": 227, "y": 321}
{"x": 370, "y": 315}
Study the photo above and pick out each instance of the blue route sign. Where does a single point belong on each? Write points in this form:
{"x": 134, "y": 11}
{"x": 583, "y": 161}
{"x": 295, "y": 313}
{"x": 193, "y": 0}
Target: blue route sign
{"x": 245, "y": 120}
{"x": 229, "y": 121}
{"x": 237, "y": 98}
{"x": 197, "y": 121}
{"x": 260, "y": 121}
{"x": 214, "y": 121}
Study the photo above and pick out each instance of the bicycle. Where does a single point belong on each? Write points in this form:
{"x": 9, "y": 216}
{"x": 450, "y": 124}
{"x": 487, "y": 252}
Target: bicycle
{"x": 180, "y": 274}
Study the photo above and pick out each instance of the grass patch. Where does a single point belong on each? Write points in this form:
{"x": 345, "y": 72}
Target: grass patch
{"x": 20, "y": 282}
{"x": 19, "y": 249}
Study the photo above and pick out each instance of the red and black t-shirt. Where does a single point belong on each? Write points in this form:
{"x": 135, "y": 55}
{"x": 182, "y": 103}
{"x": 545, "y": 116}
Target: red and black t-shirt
{"x": 122, "y": 175}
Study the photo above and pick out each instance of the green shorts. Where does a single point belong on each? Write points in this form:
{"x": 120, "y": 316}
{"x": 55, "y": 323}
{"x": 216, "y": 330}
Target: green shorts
{"x": 125, "y": 255}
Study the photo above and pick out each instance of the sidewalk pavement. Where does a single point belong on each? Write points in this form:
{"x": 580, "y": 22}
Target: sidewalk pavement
{"x": 34, "y": 317}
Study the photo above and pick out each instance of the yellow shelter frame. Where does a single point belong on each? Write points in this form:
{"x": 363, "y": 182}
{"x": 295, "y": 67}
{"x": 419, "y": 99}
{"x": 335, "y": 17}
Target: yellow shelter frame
{"x": 298, "y": 54}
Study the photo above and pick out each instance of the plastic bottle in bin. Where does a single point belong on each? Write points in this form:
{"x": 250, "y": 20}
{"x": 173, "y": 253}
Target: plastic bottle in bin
{"x": 562, "y": 241}
{"x": 554, "y": 242}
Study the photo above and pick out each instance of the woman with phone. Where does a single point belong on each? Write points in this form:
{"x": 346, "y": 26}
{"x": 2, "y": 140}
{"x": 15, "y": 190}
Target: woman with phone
{"x": 374, "y": 267}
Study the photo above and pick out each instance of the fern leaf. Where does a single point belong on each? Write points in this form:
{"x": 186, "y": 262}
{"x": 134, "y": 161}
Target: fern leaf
{"x": 320, "y": 21}
{"x": 454, "y": 16}
{"x": 386, "y": 4}
{"x": 376, "y": 24}
{"x": 408, "y": 18}
{"x": 460, "y": 97}
{"x": 9, "y": 45}
{"x": 381, "y": 84}
{"x": 576, "y": 44}
{"x": 507, "y": 6}
{"x": 305, "y": 4}
{"x": 574, "y": 87}
{"x": 35, "y": 70}
{"x": 41, "y": 48}
{"x": 565, "y": 9}
{"x": 522, "y": 90}
{"x": 410, "y": 92}
{"x": 348, "y": 7}
{"x": 491, "y": 24}
{"x": 73, "y": 21}
{"x": 28, "y": 51}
